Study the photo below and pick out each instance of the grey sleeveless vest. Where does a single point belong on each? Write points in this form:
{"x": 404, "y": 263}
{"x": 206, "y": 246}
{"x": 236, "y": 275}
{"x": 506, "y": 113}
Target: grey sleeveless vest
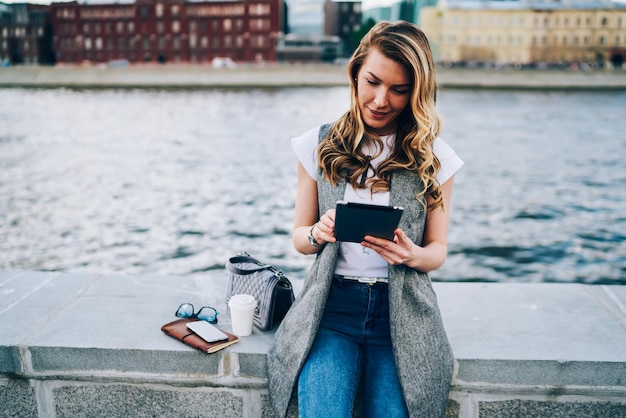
{"x": 422, "y": 353}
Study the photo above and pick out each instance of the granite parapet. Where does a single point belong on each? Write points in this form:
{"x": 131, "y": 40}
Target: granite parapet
{"x": 69, "y": 340}
{"x": 181, "y": 76}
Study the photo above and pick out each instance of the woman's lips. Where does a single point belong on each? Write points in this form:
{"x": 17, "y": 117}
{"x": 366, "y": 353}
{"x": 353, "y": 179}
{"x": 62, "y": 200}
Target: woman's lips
{"x": 376, "y": 114}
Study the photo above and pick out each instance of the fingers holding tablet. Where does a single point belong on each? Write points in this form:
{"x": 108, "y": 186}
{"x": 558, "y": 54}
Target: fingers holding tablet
{"x": 324, "y": 229}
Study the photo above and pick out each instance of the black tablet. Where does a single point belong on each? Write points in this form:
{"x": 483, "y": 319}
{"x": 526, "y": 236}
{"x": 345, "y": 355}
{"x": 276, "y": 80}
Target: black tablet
{"x": 355, "y": 220}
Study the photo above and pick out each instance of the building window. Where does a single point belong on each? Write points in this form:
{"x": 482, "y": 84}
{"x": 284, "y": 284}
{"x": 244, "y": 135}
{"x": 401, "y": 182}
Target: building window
{"x": 85, "y": 27}
{"x": 131, "y": 27}
{"x": 160, "y": 26}
{"x": 120, "y": 27}
{"x": 176, "y": 42}
{"x": 259, "y": 9}
{"x": 158, "y": 10}
{"x": 605, "y": 21}
{"x": 175, "y": 26}
{"x": 87, "y": 44}
{"x": 227, "y": 24}
{"x": 98, "y": 43}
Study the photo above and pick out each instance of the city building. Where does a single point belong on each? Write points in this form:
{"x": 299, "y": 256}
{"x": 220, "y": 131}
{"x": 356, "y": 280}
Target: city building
{"x": 378, "y": 14}
{"x": 407, "y": 10}
{"x": 527, "y": 33}
{"x": 308, "y": 48}
{"x": 341, "y": 18}
{"x": 25, "y": 34}
{"x": 306, "y": 17}
{"x": 166, "y": 31}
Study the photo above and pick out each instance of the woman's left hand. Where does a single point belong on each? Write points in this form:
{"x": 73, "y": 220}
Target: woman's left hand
{"x": 399, "y": 251}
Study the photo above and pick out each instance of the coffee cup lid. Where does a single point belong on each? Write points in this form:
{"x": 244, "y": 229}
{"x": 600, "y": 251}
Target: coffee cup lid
{"x": 242, "y": 301}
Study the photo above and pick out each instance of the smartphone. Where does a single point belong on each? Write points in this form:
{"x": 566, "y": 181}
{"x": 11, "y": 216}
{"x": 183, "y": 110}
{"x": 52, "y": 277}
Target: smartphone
{"x": 206, "y": 331}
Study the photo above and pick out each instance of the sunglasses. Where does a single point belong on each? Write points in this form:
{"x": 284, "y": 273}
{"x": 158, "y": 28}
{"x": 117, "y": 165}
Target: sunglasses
{"x": 206, "y": 313}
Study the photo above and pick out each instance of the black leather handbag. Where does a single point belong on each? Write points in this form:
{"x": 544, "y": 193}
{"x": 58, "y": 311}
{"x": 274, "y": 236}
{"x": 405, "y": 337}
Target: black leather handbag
{"x": 268, "y": 285}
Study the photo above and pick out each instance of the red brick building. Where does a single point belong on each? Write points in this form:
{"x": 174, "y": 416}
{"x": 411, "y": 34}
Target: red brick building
{"x": 166, "y": 31}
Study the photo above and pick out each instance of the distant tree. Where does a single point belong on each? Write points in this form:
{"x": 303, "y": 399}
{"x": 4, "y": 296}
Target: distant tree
{"x": 357, "y": 35}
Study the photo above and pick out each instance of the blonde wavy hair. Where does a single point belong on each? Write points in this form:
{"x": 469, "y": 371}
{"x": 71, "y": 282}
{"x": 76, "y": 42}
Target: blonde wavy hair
{"x": 418, "y": 125}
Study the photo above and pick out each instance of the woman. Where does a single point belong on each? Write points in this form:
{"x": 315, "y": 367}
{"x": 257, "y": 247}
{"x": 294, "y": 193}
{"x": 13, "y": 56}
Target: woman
{"x": 367, "y": 313}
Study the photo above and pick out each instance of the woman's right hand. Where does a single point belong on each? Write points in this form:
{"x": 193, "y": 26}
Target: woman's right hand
{"x": 324, "y": 229}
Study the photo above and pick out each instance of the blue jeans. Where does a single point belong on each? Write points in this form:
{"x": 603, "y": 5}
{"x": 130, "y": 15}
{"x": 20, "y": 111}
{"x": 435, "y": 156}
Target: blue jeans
{"x": 353, "y": 343}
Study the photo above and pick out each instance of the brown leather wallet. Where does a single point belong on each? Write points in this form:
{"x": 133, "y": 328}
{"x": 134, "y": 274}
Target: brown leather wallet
{"x": 178, "y": 330}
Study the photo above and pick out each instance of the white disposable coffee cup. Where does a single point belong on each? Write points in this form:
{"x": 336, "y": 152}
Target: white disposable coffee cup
{"x": 242, "y": 309}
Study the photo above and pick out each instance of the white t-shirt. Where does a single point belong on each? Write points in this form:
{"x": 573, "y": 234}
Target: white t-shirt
{"x": 354, "y": 259}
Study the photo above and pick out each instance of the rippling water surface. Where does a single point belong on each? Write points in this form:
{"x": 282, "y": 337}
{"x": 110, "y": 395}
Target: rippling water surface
{"x": 175, "y": 182}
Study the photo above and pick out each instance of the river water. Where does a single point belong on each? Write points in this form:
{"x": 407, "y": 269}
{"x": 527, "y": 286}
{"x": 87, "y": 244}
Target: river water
{"x": 174, "y": 182}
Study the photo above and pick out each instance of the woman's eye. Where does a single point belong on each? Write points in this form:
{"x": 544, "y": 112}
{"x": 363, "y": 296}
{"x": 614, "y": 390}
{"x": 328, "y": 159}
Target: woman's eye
{"x": 400, "y": 91}
{"x": 371, "y": 82}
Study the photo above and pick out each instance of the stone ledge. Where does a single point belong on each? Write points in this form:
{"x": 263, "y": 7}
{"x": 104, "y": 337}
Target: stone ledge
{"x": 293, "y": 75}
{"x": 64, "y": 336}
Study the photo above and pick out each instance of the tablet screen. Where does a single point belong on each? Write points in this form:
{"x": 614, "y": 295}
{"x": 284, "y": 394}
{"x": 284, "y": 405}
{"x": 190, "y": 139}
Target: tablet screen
{"x": 355, "y": 220}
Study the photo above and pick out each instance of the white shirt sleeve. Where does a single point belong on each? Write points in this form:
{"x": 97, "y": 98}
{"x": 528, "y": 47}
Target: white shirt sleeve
{"x": 305, "y": 148}
{"x": 450, "y": 162}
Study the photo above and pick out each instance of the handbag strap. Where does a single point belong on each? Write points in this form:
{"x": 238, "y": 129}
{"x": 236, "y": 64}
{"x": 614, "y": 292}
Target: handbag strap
{"x": 249, "y": 260}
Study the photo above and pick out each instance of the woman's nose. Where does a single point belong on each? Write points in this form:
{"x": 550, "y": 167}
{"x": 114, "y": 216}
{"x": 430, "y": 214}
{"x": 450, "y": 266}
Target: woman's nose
{"x": 380, "y": 99}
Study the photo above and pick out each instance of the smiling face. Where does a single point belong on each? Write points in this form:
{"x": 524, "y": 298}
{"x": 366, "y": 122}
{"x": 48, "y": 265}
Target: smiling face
{"x": 383, "y": 92}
